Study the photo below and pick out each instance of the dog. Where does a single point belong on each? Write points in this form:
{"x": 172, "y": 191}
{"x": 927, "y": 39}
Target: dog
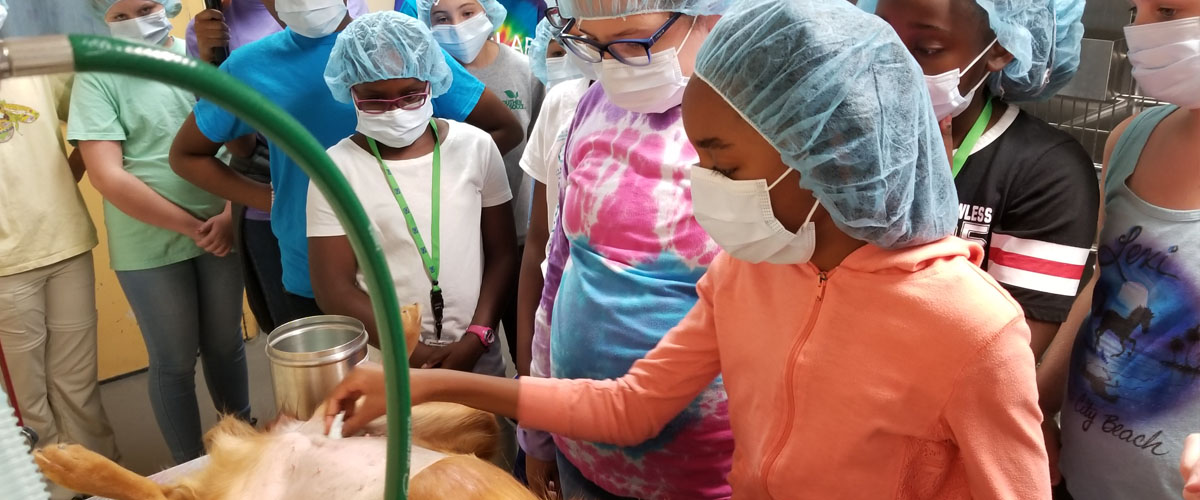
{"x": 295, "y": 460}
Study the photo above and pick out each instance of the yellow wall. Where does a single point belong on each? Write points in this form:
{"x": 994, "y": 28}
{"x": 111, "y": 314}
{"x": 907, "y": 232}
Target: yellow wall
{"x": 120, "y": 343}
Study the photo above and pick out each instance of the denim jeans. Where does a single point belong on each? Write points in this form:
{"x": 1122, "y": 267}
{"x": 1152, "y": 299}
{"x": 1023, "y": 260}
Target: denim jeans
{"x": 299, "y": 307}
{"x": 184, "y": 308}
{"x": 260, "y": 255}
{"x": 577, "y": 487}
{"x": 518, "y": 468}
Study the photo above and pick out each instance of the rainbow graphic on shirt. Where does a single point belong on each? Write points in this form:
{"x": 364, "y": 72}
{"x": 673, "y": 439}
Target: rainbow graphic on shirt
{"x": 521, "y": 25}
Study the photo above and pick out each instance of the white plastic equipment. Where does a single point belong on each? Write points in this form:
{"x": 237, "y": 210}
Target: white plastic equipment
{"x": 18, "y": 474}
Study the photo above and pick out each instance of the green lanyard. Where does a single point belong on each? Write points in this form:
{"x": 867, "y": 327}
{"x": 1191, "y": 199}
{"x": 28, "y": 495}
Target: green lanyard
{"x": 431, "y": 259}
{"x": 977, "y": 130}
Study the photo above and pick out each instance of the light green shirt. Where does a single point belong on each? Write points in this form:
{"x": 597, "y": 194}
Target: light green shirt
{"x": 144, "y": 115}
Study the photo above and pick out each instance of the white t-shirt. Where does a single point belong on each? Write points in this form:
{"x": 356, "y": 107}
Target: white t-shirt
{"x": 473, "y": 178}
{"x": 543, "y": 153}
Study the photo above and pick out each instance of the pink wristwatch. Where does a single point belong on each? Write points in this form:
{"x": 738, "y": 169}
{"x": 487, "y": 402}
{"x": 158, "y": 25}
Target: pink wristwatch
{"x": 487, "y": 335}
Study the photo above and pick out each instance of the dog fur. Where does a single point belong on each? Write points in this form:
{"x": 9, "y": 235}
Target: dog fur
{"x": 295, "y": 461}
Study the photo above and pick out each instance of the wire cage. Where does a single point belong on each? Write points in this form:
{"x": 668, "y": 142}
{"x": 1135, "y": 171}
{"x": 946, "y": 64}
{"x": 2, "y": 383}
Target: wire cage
{"x": 1102, "y": 95}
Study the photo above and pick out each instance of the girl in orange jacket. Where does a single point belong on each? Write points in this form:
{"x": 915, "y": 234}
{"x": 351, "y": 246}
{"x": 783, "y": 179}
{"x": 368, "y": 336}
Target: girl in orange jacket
{"x": 864, "y": 352}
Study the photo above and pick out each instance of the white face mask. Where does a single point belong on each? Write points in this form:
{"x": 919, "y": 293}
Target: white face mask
{"x": 152, "y": 28}
{"x": 1166, "y": 60}
{"x": 464, "y": 40}
{"x": 3, "y": 15}
{"x": 737, "y": 215}
{"x": 653, "y": 88}
{"x": 587, "y": 69}
{"x": 313, "y": 18}
{"x": 559, "y": 69}
{"x": 397, "y": 128}
{"x": 943, "y": 89}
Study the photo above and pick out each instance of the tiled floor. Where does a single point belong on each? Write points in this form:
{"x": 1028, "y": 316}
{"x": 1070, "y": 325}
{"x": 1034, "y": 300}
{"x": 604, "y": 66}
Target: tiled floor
{"x": 128, "y": 405}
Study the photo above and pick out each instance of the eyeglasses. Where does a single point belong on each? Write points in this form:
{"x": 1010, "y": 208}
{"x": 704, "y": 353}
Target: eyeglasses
{"x": 627, "y": 51}
{"x": 556, "y": 19}
{"x": 408, "y": 102}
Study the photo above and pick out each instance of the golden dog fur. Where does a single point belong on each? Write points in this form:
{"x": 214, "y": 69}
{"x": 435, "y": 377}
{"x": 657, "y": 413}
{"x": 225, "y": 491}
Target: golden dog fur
{"x": 468, "y": 437}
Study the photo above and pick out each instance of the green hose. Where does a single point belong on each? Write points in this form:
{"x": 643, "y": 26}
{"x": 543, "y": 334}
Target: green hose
{"x": 108, "y": 55}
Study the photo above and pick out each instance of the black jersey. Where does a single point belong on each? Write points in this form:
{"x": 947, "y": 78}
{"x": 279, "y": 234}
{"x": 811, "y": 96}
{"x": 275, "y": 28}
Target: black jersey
{"x": 1028, "y": 193}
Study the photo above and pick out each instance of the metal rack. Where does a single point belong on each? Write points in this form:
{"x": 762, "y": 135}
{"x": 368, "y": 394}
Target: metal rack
{"x": 1103, "y": 92}
{"x": 1089, "y": 117}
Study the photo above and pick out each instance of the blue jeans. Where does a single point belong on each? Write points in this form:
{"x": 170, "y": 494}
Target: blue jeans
{"x": 299, "y": 307}
{"x": 184, "y": 308}
{"x": 260, "y": 254}
{"x": 575, "y": 486}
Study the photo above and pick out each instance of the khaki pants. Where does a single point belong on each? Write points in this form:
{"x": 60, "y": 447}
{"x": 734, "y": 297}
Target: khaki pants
{"x": 48, "y": 331}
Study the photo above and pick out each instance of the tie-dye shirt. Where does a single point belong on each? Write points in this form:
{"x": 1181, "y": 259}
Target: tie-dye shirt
{"x": 622, "y": 271}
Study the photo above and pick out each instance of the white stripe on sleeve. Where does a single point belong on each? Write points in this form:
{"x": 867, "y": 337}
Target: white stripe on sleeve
{"x": 1041, "y": 249}
{"x": 1033, "y": 281}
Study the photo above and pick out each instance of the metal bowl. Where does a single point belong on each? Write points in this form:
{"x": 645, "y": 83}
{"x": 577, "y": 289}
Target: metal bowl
{"x": 309, "y": 357}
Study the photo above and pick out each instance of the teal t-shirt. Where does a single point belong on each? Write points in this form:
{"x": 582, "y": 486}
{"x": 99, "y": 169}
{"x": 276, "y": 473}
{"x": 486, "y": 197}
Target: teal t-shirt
{"x": 144, "y": 116}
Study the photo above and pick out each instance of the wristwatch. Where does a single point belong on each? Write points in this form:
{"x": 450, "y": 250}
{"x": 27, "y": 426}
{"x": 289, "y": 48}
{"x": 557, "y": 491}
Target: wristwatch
{"x": 487, "y": 335}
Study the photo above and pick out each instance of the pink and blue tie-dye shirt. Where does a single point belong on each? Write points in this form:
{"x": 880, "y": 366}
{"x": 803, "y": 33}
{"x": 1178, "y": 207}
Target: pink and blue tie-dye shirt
{"x": 622, "y": 271}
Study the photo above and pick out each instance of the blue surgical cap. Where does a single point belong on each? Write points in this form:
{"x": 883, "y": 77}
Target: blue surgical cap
{"x": 837, "y": 93}
{"x": 603, "y": 9}
{"x": 384, "y": 46}
{"x": 538, "y": 49}
{"x": 1043, "y": 36}
{"x": 1044, "y": 59}
{"x": 1068, "y": 20}
{"x": 496, "y": 13}
{"x": 173, "y": 7}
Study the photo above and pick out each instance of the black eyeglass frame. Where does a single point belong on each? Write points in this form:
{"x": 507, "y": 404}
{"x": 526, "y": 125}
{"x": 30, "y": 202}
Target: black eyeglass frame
{"x": 576, "y": 44}
{"x": 557, "y": 21}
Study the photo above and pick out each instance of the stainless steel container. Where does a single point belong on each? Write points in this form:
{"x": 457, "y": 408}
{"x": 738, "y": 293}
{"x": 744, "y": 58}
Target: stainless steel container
{"x": 309, "y": 357}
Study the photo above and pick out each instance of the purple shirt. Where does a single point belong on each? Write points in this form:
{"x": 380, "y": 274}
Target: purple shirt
{"x": 249, "y": 20}
{"x": 258, "y": 215}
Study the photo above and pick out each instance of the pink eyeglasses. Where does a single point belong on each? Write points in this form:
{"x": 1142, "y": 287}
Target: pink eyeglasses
{"x": 408, "y": 102}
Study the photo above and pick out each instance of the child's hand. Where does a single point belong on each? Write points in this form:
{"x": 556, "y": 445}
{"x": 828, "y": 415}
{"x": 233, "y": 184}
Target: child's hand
{"x": 216, "y": 234}
{"x": 460, "y": 356}
{"x": 367, "y": 383}
{"x": 1188, "y": 462}
{"x": 421, "y": 354}
{"x": 542, "y": 477}
{"x": 211, "y": 32}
